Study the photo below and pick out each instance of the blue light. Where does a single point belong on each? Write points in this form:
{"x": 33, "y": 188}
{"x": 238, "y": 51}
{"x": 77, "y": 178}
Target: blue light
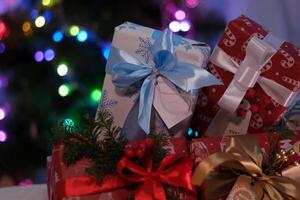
{"x": 34, "y": 14}
{"x": 105, "y": 51}
{"x": 2, "y": 48}
{"x": 49, "y": 54}
{"x": 190, "y": 131}
{"x": 48, "y": 15}
{"x": 58, "y": 36}
{"x": 196, "y": 133}
{"x": 82, "y": 36}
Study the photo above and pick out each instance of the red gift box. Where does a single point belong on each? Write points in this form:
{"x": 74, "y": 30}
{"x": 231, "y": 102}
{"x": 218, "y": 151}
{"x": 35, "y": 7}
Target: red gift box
{"x": 58, "y": 171}
{"x": 280, "y": 72}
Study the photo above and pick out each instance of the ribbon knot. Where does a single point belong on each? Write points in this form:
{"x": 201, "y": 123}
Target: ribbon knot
{"x": 130, "y": 70}
{"x": 243, "y": 154}
{"x": 174, "y": 170}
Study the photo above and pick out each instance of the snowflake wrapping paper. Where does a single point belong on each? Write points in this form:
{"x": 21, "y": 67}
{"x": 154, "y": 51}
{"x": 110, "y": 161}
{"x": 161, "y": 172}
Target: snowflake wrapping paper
{"x": 122, "y": 103}
{"x": 58, "y": 171}
{"x": 281, "y": 72}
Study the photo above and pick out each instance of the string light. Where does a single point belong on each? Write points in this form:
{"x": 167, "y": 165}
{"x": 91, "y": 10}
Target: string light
{"x": 64, "y": 90}
{"x": 26, "y": 27}
{"x": 180, "y": 15}
{"x": 40, "y": 21}
{"x": 96, "y": 95}
{"x": 3, "y": 136}
{"x": 2, "y": 114}
{"x": 74, "y": 30}
{"x": 62, "y": 70}
{"x": 39, "y": 56}
{"x": 57, "y": 36}
{"x": 49, "y": 54}
{"x": 82, "y": 36}
{"x": 175, "y": 26}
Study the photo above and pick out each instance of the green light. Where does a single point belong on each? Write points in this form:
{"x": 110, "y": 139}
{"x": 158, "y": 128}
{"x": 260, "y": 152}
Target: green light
{"x": 64, "y": 90}
{"x": 62, "y": 69}
{"x": 68, "y": 124}
{"x": 96, "y": 95}
{"x": 74, "y": 30}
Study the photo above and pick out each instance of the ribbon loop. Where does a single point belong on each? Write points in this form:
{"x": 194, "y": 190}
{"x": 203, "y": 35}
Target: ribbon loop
{"x": 243, "y": 155}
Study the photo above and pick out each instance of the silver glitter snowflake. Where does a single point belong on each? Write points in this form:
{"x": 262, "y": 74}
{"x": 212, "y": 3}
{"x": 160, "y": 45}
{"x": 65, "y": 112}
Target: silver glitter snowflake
{"x": 144, "y": 49}
{"x": 106, "y": 103}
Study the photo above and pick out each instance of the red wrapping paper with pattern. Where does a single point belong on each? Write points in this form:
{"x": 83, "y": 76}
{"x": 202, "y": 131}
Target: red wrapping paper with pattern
{"x": 201, "y": 148}
{"x": 283, "y": 68}
{"x": 57, "y": 170}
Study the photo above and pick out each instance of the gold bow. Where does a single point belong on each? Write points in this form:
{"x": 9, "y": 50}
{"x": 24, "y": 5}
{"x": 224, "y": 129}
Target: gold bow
{"x": 243, "y": 156}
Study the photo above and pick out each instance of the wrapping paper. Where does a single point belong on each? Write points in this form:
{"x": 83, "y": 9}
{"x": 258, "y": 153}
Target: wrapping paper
{"x": 57, "y": 170}
{"x": 122, "y": 105}
{"x": 282, "y": 68}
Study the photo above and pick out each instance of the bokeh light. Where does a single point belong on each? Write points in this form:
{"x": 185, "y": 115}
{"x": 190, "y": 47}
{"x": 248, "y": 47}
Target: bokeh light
{"x": 47, "y": 2}
{"x": 57, "y": 36}
{"x": 74, "y": 30}
{"x": 62, "y": 70}
{"x": 185, "y": 26}
{"x": 49, "y": 54}
{"x": 39, "y": 56}
{"x": 2, "y": 114}
{"x": 96, "y": 95}
{"x": 105, "y": 50}
{"x": 180, "y": 15}
{"x": 191, "y": 3}
{"x": 26, "y": 27}
{"x": 3, "y": 29}
{"x": 175, "y": 26}
{"x": 69, "y": 124}
{"x": 2, "y": 48}
{"x": 82, "y": 36}
{"x": 64, "y": 90}
{"x": 40, "y": 21}
{"x": 3, "y": 136}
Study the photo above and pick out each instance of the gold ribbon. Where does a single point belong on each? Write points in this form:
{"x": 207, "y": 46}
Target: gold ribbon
{"x": 243, "y": 156}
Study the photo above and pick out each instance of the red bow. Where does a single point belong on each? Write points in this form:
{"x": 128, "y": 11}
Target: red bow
{"x": 175, "y": 170}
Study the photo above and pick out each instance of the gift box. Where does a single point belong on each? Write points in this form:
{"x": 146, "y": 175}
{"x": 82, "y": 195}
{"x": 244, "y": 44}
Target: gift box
{"x": 242, "y": 170}
{"x": 261, "y": 76}
{"x": 152, "y": 78}
{"x": 62, "y": 177}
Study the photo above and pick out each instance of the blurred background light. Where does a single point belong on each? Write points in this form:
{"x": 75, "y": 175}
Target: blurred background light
{"x": 38, "y": 56}
{"x": 40, "y": 21}
{"x": 74, "y": 30}
{"x": 64, "y": 90}
{"x": 175, "y": 26}
{"x": 2, "y": 48}
{"x": 49, "y": 54}
{"x": 62, "y": 69}
{"x": 96, "y": 95}
{"x": 47, "y": 2}
{"x": 2, "y": 114}
{"x": 57, "y": 36}
{"x": 3, "y": 136}
{"x": 180, "y": 15}
{"x": 105, "y": 50}
{"x": 82, "y": 36}
{"x": 185, "y": 26}
{"x": 191, "y": 3}
{"x": 26, "y": 27}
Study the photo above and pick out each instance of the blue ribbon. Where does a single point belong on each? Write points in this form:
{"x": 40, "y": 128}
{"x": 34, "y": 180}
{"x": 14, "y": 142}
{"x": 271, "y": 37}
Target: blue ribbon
{"x": 129, "y": 70}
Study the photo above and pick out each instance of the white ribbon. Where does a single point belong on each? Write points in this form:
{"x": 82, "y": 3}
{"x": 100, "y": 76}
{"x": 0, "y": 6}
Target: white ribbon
{"x": 258, "y": 53}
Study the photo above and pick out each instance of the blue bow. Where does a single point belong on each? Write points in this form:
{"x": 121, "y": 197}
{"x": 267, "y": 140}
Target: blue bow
{"x": 129, "y": 70}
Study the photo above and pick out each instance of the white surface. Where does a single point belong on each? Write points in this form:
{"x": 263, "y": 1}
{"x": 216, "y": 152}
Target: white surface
{"x": 33, "y": 192}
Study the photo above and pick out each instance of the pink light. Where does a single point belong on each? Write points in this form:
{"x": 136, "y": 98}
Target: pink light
{"x": 26, "y": 182}
{"x": 174, "y": 26}
{"x": 3, "y": 136}
{"x": 2, "y": 113}
{"x": 185, "y": 26}
{"x": 180, "y": 15}
{"x": 191, "y": 3}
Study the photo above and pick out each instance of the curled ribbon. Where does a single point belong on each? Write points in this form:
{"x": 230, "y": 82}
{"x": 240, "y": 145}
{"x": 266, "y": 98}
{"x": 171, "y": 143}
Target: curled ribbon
{"x": 242, "y": 157}
{"x": 130, "y": 70}
{"x": 175, "y": 170}
{"x": 247, "y": 74}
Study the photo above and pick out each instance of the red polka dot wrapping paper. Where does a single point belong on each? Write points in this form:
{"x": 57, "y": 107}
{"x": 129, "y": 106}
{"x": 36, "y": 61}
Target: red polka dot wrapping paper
{"x": 283, "y": 68}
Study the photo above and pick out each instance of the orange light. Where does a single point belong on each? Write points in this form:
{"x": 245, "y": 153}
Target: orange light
{"x": 26, "y": 27}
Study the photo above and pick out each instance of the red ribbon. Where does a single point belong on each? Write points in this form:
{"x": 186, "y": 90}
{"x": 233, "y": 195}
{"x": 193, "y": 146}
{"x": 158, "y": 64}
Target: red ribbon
{"x": 175, "y": 170}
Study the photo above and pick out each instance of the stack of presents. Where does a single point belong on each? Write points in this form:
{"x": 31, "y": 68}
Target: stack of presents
{"x": 219, "y": 108}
